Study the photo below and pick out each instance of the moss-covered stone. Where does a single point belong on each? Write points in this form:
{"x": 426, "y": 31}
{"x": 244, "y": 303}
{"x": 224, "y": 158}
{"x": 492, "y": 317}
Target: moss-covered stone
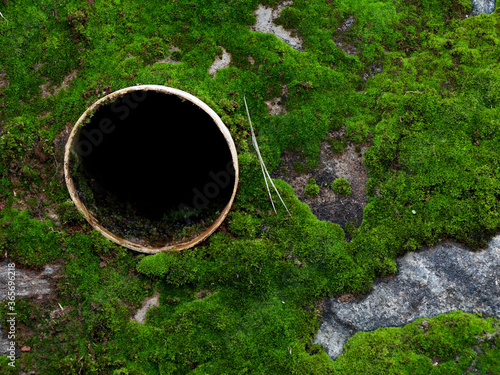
{"x": 450, "y": 343}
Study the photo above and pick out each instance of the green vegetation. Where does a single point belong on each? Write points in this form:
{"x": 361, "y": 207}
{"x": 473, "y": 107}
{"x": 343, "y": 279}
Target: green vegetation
{"x": 341, "y": 186}
{"x": 430, "y": 118}
{"x": 351, "y": 229}
{"x": 337, "y": 146}
{"x": 68, "y": 213}
{"x": 454, "y": 343}
{"x": 300, "y": 167}
{"x": 311, "y": 189}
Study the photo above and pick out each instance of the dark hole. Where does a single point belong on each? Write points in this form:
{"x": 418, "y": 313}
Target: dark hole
{"x": 154, "y": 162}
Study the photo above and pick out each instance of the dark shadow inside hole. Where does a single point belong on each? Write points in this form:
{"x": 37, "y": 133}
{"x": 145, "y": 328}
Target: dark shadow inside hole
{"x": 153, "y": 156}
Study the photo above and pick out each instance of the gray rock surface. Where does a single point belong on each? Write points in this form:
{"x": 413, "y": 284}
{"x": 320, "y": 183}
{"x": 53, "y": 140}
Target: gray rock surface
{"x": 483, "y": 6}
{"x": 28, "y": 283}
{"x": 264, "y": 23}
{"x": 4, "y": 342}
{"x": 147, "y": 304}
{"x": 429, "y": 282}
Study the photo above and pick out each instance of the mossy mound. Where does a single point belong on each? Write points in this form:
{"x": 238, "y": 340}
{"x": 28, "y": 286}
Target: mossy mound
{"x": 341, "y": 186}
{"x": 311, "y": 189}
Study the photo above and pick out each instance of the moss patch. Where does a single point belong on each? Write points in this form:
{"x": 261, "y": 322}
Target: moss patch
{"x": 341, "y": 186}
{"x": 419, "y": 86}
{"x": 453, "y": 343}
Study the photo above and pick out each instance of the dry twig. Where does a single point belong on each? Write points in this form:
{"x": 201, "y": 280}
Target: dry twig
{"x": 263, "y": 166}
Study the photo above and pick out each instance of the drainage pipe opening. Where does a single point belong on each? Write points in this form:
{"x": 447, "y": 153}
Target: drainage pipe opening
{"x": 152, "y": 168}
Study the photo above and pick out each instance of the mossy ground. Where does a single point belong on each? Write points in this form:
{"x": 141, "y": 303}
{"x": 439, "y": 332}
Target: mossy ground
{"x": 430, "y": 118}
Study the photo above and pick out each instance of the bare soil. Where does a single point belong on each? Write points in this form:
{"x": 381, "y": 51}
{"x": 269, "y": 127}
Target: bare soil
{"x": 4, "y": 79}
{"x": 275, "y": 105}
{"x": 49, "y": 90}
{"x": 329, "y": 206}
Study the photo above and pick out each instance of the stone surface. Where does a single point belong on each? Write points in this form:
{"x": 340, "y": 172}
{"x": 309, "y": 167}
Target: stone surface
{"x": 339, "y": 39}
{"x": 265, "y": 24}
{"x": 483, "y": 6}
{"x": 429, "y": 282}
{"x": 220, "y": 62}
{"x": 168, "y": 59}
{"x": 275, "y": 106}
{"x": 4, "y": 342}
{"x": 140, "y": 315}
{"x": 28, "y": 283}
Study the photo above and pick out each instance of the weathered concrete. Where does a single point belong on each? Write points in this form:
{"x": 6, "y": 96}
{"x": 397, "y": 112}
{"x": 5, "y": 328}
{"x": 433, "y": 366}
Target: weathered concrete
{"x": 429, "y": 282}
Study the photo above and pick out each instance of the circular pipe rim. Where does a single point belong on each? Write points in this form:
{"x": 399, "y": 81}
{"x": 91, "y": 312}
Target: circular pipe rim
{"x": 181, "y": 245}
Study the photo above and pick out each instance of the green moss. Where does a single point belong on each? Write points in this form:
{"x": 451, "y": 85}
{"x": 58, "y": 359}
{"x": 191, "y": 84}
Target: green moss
{"x": 341, "y": 186}
{"x": 5, "y": 365}
{"x": 311, "y": 189}
{"x": 337, "y": 146}
{"x": 300, "y": 167}
{"x": 351, "y": 229}
{"x": 451, "y": 343}
{"x": 29, "y": 241}
{"x": 176, "y": 55}
{"x": 430, "y": 118}
{"x": 69, "y": 214}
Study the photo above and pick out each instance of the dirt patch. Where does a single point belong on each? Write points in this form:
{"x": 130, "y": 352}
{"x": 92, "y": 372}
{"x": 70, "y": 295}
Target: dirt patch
{"x": 32, "y": 187}
{"x": 329, "y": 206}
{"x": 220, "y": 62}
{"x": 49, "y": 90}
{"x": 60, "y": 141}
{"x": 169, "y": 58}
{"x": 275, "y": 105}
{"x": 341, "y": 40}
{"x": 203, "y": 293}
{"x": 4, "y": 79}
{"x": 265, "y": 24}
{"x": 60, "y": 312}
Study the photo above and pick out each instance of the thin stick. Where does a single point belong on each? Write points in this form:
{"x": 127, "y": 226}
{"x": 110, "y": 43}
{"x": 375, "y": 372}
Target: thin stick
{"x": 1, "y": 15}
{"x": 275, "y": 189}
{"x": 262, "y": 164}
